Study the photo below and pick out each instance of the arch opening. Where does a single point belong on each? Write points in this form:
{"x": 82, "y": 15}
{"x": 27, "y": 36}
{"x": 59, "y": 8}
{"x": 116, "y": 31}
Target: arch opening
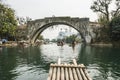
{"x": 46, "y": 26}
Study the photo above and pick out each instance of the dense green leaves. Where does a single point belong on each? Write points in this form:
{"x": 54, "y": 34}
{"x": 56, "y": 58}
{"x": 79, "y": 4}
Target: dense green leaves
{"x": 103, "y": 21}
{"x": 8, "y": 22}
{"x": 115, "y": 28}
{"x": 70, "y": 39}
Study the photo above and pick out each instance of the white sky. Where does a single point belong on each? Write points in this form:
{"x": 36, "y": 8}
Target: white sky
{"x": 38, "y": 9}
{"x": 54, "y": 31}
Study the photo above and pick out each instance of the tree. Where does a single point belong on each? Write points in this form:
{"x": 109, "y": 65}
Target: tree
{"x": 115, "y": 28}
{"x": 7, "y": 21}
{"x": 116, "y": 12}
{"x": 115, "y": 31}
{"x": 102, "y": 20}
{"x": 102, "y": 6}
{"x": 70, "y": 39}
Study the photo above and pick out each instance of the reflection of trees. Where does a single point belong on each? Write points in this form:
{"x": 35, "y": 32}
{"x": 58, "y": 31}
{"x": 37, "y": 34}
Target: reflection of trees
{"x": 106, "y": 60}
{"x": 32, "y": 57}
{"x": 7, "y": 63}
{"x": 85, "y": 55}
{"x": 13, "y": 58}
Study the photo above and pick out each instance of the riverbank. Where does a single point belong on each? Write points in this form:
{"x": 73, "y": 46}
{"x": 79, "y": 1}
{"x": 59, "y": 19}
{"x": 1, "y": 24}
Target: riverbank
{"x": 9, "y": 44}
{"x": 18, "y": 43}
{"x": 102, "y": 44}
{"x": 110, "y": 44}
{"x": 14, "y": 43}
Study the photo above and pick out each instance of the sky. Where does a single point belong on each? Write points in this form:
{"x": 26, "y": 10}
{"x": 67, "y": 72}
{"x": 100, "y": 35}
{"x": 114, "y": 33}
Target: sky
{"x": 48, "y": 33}
{"x": 38, "y": 9}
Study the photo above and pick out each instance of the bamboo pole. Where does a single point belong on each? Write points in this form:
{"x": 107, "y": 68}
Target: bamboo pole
{"x": 79, "y": 74}
{"x": 86, "y": 73}
{"x": 74, "y": 61}
{"x": 58, "y": 73}
{"x": 58, "y": 70}
{"x": 70, "y": 73}
{"x": 66, "y": 73}
{"x": 54, "y": 73}
{"x": 77, "y": 70}
{"x": 83, "y": 74}
{"x": 75, "y": 74}
{"x": 62, "y": 73}
{"x": 59, "y": 61}
{"x": 73, "y": 66}
{"x": 50, "y": 73}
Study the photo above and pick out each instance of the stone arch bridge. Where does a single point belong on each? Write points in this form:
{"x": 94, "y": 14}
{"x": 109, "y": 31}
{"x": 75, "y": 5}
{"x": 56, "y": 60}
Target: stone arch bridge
{"x": 36, "y": 27}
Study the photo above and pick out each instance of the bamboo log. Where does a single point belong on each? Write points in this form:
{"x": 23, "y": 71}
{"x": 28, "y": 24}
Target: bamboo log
{"x": 83, "y": 74}
{"x": 86, "y": 73}
{"x": 77, "y": 70}
{"x": 71, "y": 66}
{"x": 50, "y": 73}
{"x": 62, "y": 73}
{"x": 70, "y": 74}
{"x": 79, "y": 74}
{"x": 66, "y": 73}
{"x": 59, "y": 61}
{"x": 75, "y": 74}
{"x": 74, "y": 61}
{"x": 58, "y": 73}
{"x": 54, "y": 73}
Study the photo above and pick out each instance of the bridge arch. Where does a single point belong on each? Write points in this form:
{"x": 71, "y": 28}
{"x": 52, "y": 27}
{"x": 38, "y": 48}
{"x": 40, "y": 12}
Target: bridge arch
{"x": 35, "y": 28}
{"x": 41, "y": 29}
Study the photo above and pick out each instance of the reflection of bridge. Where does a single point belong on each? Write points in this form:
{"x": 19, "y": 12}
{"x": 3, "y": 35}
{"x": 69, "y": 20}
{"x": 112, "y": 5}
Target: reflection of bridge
{"x": 37, "y": 26}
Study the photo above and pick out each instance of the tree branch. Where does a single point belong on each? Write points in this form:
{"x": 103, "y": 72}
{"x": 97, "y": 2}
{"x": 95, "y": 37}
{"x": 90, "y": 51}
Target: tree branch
{"x": 116, "y": 12}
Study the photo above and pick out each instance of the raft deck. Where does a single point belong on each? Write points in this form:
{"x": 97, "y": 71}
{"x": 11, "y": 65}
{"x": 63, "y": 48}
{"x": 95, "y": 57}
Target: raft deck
{"x": 68, "y": 71}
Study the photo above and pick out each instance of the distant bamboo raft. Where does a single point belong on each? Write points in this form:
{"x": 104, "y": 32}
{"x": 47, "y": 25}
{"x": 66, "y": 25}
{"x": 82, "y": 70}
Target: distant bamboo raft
{"x": 68, "y": 71}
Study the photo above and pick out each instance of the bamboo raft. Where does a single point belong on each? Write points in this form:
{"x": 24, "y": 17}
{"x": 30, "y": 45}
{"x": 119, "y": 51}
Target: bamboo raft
{"x": 68, "y": 71}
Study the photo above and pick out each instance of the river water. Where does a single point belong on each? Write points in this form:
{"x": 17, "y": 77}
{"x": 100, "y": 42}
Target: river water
{"x": 32, "y": 63}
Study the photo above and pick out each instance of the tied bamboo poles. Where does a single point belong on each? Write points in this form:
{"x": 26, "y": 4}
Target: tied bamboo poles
{"x": 68, "y": 71}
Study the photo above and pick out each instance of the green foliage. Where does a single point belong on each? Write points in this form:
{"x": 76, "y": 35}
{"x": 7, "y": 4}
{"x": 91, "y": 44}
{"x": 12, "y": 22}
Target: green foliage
{"x": 115, "y": 28}
{"x": 102, "y": 20}
{"x": 7, "y": 21}
{"x": 115, "y": 23}
{"x": 70, "y": 39}
{"x": 106, "y": 16}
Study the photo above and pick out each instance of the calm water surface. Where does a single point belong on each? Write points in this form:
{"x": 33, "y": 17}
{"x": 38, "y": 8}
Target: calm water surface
{"x": 32, "y": 63}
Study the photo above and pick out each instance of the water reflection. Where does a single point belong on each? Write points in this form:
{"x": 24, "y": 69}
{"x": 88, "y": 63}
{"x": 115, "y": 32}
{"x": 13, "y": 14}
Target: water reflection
{"x": 7, "y": 63}
{"x": 32, "y": 63}
{"x": 102, "y": 63}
